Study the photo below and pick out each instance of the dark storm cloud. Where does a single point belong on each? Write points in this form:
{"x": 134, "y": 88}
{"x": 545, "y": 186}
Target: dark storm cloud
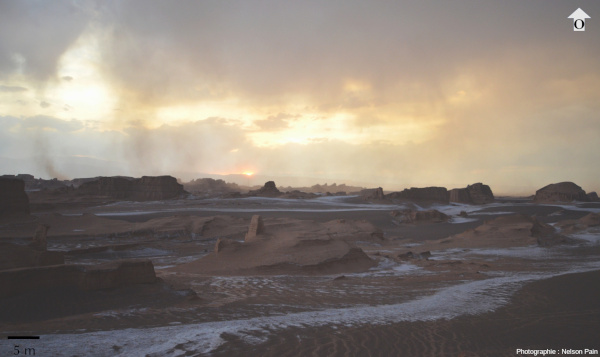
{"x": 267, "y": 49}
{"x": 508, "y": 91}
{"x": 34, "y": 34}
{"x": 264, "y": 51}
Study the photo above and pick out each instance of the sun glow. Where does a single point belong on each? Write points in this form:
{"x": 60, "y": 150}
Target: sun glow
{"x": 248, "y": 173}
{"x": 82, "y": 90}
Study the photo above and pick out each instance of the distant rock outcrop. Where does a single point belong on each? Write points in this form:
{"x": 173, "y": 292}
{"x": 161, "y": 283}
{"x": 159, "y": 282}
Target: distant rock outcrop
{"x": 268, "y": 190}
{"x": 593, "y": 197}
{"x": 150, "y": 188}
{"x": 424, "y": 195}
{"x": 33, "y": 184}
{"x": 147, "y": 188}
{"x": 209, "y": 185}
{"x": 372, "y": 194}
{"x": 459, "y": 195}
{"x": 115, "y": 187}
{"x": 13, "y": 199}
{"x": 477, "y": 193}
{"x": 560, "y": 192}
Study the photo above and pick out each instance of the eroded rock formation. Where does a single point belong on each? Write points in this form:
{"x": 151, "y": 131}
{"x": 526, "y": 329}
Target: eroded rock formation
{"x": 547, "y": 235}
{"x": 508, "y": 231}
{"x": 40, "y": 237}
{"x": 577, "y": 225}
{"x": 424, "y": 195}
{"x": 14, "y": 256}
{"x": 35, "y": 254}
{"x": 147, "y": 188}
{"x": 106, "y": 276}
{"x": 372, "y": 194}
{"x": 476, "y": 193}
{"x": 268, "y": 190}
{"x": 459, "y": 195}
{"x": 560, "y": 192}
{"x": 150, "y": 188}
{"x": 209, "y": 185}
{"x": 593, "y": 197}
{"x": 13, "y": 199}
{"x": 256, "y": 227}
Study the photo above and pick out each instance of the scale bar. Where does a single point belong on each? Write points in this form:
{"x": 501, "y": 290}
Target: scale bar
{"x": 23, "y": 337}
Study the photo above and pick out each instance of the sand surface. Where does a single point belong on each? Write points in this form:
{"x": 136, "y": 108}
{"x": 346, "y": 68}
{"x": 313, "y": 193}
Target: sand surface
{"x": 328, "y": 276}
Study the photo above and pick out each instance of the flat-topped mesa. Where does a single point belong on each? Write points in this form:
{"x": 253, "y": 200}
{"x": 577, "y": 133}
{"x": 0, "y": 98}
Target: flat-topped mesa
{"x": 13, "y": 199}
{"x": 561, "y": 192}
{"x": 147, "y": 188}
{"x": 151, "y": 188}
{"x": 115, "y": 187}
{"x": 425, "y": 195}
{"x": 209, "y": 185}
{"x": 268, "y": 190}
{"x": 459, "y": 195}
{"x": 476, "y": 193}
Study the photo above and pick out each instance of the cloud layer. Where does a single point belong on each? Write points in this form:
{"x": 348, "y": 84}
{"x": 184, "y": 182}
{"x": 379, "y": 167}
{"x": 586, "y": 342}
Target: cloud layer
{"x": 386, "y": 93}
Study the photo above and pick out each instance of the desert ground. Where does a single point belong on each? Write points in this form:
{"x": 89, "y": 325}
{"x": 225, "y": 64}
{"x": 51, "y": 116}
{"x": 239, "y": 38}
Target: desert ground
{"x": 329, "y": 275}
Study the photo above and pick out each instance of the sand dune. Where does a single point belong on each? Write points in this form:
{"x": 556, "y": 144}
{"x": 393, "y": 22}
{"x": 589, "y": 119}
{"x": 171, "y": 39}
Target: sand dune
{"x": 291, "y": 246}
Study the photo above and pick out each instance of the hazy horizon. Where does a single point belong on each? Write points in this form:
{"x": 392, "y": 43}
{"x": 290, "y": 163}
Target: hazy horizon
{"x": 397, "y": 95}
{"x": 257, "y": 180}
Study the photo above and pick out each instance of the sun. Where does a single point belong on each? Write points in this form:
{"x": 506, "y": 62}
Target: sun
{"x": 248, "y": 173}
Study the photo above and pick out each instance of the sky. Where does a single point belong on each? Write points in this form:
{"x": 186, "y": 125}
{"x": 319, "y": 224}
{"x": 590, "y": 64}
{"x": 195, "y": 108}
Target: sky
{"x": 377, "y": 93}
